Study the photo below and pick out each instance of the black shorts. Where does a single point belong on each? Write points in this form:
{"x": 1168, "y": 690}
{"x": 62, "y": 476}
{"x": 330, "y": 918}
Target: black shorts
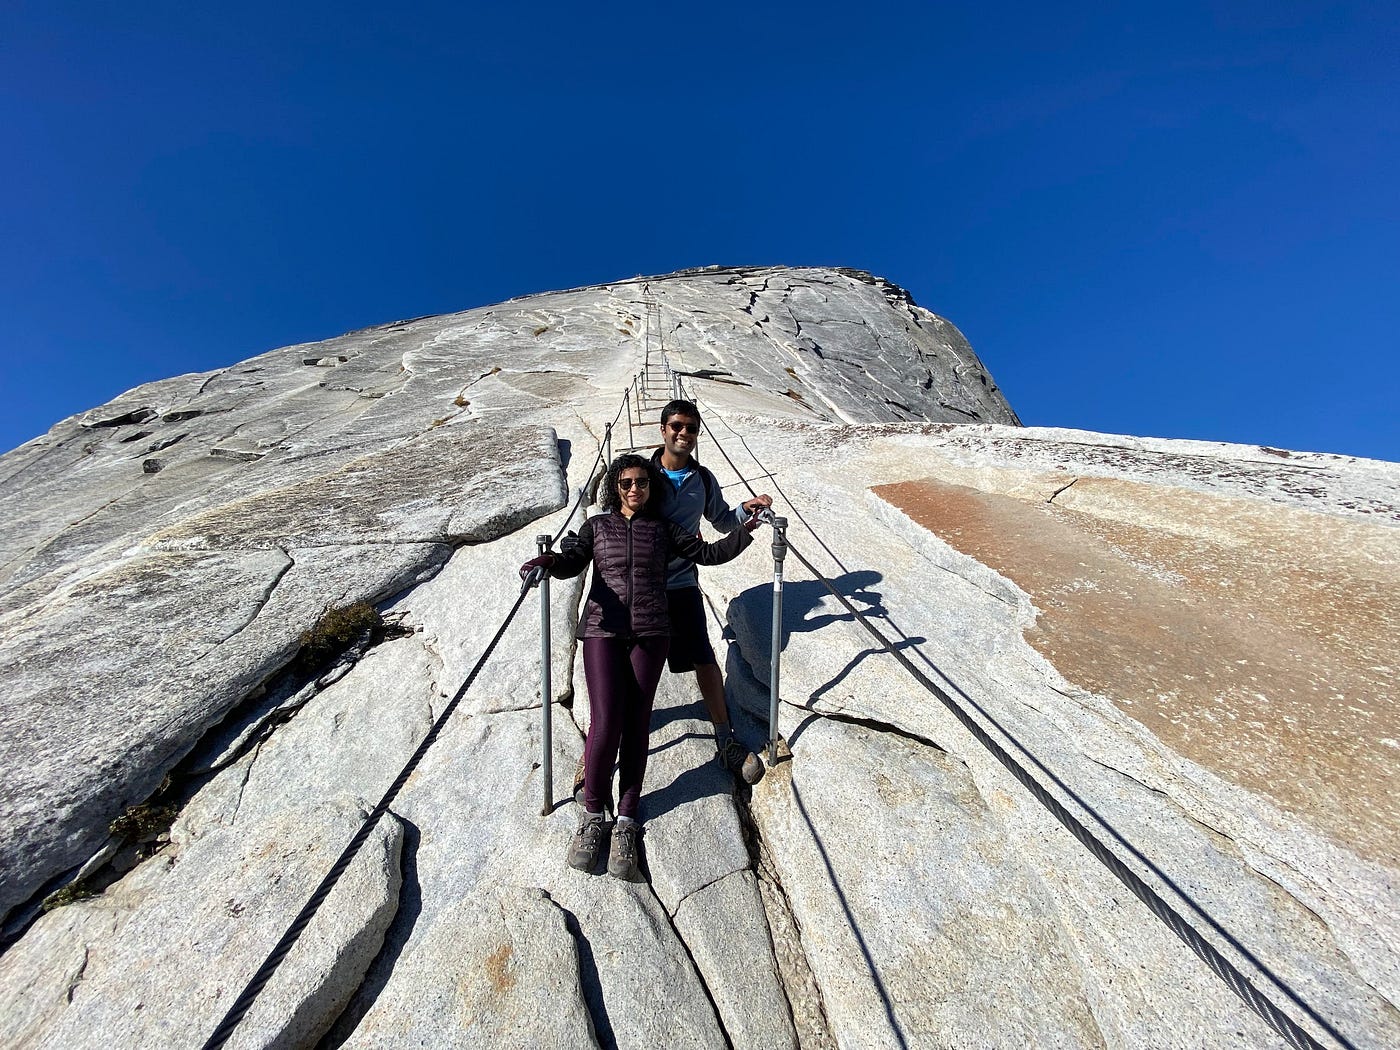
{"x": 690, "y": 638}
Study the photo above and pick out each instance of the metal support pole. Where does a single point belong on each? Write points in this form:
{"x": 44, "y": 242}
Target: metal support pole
{"x": 631, "y": 440}
{"x": 607, "y": 446}
{"x": 779, "y": 553}
{"x": 546, "y": 689}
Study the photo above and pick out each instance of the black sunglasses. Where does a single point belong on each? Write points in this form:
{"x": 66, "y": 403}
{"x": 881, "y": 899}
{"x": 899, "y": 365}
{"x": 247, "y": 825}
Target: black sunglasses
{"x": 689, "y": 428}
{"x": 625, "y": 484}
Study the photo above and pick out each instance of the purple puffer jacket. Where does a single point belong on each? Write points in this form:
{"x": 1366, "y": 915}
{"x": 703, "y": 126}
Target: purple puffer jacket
{"x": 627, "y": 598}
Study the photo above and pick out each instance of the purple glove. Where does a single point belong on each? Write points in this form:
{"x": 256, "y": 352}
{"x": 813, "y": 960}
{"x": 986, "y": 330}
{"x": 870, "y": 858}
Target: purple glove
{"x": 544, "y": 561}
{"x": 754, "y": 520}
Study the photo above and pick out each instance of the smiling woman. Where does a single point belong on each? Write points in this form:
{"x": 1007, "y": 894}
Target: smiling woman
{"x": 626, "y": 633}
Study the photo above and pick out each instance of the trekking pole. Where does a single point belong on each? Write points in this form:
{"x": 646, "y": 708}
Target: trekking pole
{"x": 779, "y": 553}
{"x": 546, "y": 688}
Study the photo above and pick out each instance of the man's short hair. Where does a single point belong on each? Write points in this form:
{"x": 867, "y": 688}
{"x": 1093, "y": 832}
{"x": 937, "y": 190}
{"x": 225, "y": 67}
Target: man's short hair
{"x": 679, "y": 407}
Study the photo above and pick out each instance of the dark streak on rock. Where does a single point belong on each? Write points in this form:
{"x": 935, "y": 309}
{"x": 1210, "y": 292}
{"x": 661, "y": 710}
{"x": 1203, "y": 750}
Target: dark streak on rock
{"x": 882, "y": 727}
{"x": 588, "y": 978}
{"x": 78, "y": 977}
{"x": 766, "y": 874}
{"x": 699, "y": 975}
{"x": 381, "y": 969}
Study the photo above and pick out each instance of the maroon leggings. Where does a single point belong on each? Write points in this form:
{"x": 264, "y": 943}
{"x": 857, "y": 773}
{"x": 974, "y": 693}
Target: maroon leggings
{"x": 622, "y": 675}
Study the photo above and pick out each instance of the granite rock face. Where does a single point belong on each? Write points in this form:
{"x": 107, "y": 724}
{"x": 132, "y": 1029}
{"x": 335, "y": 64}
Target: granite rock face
{"x": 1189, "y": 645}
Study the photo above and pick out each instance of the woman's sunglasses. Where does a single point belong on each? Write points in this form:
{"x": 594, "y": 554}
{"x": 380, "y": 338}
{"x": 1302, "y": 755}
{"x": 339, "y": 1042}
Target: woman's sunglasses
{"x": 625, "y": 484}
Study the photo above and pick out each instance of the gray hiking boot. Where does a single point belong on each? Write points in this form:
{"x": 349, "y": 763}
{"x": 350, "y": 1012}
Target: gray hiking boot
{"x": 622, "y": 858}
{"x": 740, "y": 761}
{"x": 587, "y": 843}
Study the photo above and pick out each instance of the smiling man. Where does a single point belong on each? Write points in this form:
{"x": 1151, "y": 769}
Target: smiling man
{"x": 694, "y": 493}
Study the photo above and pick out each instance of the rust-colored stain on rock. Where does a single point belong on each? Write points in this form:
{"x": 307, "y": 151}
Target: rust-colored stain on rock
{"x": 499, "y": 970}
{"x": 1254, "y": 639}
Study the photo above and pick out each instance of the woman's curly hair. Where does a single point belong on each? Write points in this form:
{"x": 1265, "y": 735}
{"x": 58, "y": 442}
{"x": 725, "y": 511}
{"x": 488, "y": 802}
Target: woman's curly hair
{"x": 608, "y": 498}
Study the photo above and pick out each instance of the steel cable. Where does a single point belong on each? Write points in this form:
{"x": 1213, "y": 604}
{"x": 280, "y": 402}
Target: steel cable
{"x": 299, "y": 924}
{"x": 1237, "y": 982}
{"x": 264, "y": 973}
{"x": 588, "y": 483}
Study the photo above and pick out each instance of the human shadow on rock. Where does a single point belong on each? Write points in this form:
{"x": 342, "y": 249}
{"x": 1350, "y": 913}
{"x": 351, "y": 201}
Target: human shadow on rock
{"x": 690, "y": 785}
{"x": 803, "y": 601}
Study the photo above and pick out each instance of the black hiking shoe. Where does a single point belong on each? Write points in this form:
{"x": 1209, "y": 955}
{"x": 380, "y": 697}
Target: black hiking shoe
{"x": 740, "y": 761}
{"x": 587, "y": 843}
{"x": 622, "y": 858}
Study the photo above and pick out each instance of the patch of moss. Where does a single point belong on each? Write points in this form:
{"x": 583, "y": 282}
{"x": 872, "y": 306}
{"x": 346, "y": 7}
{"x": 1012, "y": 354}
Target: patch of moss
{"x": 139, "y": 823}
{"x": 337, "y": 630}
{"x": 70, "y": 894}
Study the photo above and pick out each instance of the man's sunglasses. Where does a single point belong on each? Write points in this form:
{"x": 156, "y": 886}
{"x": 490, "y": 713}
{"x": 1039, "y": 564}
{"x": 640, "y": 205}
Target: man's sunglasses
{"x": 625, "y": 484}
{"x": 689, "y": 428}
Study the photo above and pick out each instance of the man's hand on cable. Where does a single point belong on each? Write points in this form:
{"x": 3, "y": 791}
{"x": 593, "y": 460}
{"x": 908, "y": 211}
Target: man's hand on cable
{"x": 755, "y": 507}
{"x": 542, "y": 563}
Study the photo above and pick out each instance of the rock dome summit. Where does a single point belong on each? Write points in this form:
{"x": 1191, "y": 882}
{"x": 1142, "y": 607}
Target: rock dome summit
{"x": 1189, "y": 645}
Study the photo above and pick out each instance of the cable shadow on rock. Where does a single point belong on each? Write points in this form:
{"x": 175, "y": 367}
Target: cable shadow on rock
{"x": 1176, "y": 889}
{"x": 826, "y": 687}
{"x": 880, "y": 988}
{"x": 905, "y": 641}
{"x": 675, "y": 741}
{"x": 737, "y": 660}
{"x": 692, "y": 783}
{"x": 693, "y": 711}
{"x": 802, "y": 600}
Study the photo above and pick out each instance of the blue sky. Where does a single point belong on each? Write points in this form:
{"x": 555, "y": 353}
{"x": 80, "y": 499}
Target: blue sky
{"x": 1175, "y": 220}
